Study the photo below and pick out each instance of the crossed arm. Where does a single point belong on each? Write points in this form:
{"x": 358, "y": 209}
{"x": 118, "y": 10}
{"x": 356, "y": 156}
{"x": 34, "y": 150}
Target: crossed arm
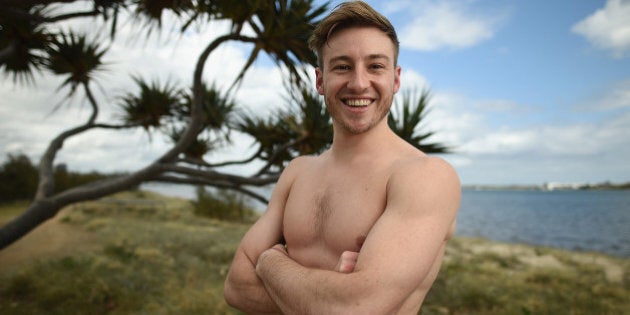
{"x": 395, "y": 259}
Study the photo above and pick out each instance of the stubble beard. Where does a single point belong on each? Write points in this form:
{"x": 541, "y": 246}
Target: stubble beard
{"x": 347, "y": 126}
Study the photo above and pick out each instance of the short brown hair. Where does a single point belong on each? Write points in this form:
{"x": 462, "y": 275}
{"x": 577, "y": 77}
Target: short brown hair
{"x": 346, "y": 15}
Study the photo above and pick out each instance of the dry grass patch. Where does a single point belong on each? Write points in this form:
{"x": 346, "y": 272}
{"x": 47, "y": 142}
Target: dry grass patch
{"x": 483, "y": 277}
{"x": 162, "y": 259}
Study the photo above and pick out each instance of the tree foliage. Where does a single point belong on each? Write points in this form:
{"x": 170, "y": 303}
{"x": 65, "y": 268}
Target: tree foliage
{"x": 197, "y": 119}
{"x": 18, "y": 178}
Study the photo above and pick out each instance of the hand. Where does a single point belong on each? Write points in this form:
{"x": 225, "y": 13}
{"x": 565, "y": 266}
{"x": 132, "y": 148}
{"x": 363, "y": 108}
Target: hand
{"x": 278, "y": 248}
{"x": 347, "y": 261}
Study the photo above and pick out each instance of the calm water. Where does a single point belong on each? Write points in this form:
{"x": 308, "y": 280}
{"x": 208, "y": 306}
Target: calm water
{"x": 576, "y": 220}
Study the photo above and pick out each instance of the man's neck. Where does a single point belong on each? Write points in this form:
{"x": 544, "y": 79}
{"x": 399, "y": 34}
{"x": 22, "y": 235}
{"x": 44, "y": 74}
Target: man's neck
{"x": 347, "y": 146}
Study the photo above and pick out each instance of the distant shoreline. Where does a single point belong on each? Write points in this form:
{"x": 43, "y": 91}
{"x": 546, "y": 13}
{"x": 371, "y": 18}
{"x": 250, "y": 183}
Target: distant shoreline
{"x": 552, "y": 187}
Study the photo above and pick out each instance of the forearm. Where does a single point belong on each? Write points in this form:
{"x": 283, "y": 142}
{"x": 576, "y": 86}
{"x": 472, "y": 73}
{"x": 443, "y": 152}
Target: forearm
{"x": 245, "y": 291}
{"x": 251, "y": 299}
{"x": 300, "y": 290}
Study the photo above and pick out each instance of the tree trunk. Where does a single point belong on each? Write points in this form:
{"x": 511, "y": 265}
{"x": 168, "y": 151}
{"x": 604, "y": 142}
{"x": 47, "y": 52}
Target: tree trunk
{"x": 46, "y": 208}
{"x": 37, "y": 213}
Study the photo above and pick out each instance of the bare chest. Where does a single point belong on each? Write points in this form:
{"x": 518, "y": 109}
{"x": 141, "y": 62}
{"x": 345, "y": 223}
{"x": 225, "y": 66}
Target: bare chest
{"x": 326, "y": 214}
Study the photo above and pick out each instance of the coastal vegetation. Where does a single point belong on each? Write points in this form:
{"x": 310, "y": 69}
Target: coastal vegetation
{"x": 143, "y": 253}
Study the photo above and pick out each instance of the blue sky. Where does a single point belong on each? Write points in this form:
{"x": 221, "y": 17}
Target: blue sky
{"x": 526, "y": 92}
{"x": 530, "y": 81}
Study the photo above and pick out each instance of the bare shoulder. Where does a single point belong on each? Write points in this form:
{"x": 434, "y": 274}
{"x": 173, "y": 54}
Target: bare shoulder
{"x": 302, "y": 162}
{"x": 424, "y": 170}
{"x": 295, "y": 167}
{"x": 428, "y": 182}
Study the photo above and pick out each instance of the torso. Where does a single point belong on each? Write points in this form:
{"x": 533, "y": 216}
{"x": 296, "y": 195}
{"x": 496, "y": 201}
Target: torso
{"x": 331, "y": 209}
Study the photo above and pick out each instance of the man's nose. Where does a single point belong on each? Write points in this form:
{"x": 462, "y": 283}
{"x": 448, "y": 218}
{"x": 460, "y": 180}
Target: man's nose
{"x": 359, "y": 80}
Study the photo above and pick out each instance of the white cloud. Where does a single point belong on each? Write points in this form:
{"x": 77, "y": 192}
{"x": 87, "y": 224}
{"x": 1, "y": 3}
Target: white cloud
{"x": 446, "y": 25}
{"x": 262, "y": 89}
{"x": 500, "y": 152}
{"x": 608, "y": 28}
{"x": 28, "y": 123}
{"x": 500, "y": 142}
{"x": 412, "y": 80}
{"x": 618, "y": 97}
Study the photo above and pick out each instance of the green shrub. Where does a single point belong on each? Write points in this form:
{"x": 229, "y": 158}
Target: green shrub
{"x": 222, "y": 205}
{"x": 19, "y": 178}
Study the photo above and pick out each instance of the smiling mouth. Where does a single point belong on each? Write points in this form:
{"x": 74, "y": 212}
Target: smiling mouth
{"x": 360, "y": 102}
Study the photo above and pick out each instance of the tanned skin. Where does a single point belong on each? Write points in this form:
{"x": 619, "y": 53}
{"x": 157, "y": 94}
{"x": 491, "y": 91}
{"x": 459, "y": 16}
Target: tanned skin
{"x": 366, "y": 222}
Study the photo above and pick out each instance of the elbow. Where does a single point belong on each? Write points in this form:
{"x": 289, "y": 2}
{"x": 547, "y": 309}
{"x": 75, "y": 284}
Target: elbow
{"x": 233, "y": 294}
{"x": 230, "y": 295}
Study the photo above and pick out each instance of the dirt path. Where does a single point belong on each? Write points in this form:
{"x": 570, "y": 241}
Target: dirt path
{"x": 49, "y": 240}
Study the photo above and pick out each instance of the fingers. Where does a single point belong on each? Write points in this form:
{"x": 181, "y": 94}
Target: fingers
{"x": 347, "y": 261}
{"x": 281, "y": 248}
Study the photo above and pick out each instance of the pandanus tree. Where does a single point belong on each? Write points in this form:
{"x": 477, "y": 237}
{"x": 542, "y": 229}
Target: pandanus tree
{"x": 198, "y": 119}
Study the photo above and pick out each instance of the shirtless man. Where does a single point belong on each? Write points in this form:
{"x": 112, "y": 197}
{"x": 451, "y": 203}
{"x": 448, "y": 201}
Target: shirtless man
{"x": 366, "y": 222}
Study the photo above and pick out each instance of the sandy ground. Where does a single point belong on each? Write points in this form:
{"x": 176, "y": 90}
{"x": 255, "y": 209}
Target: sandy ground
{"x": 51, "y": 239}
{"x": 612, "y": 268}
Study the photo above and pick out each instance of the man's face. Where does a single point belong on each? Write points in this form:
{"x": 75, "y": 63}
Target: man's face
{"x": 359, "y": 78}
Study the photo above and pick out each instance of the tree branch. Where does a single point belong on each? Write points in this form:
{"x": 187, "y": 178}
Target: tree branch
{"x": 202, "y": 163}
{"x": 46, "y": 183}
{"x": 214, "y": 175}
{"x": 110, "y": 126}
{"x": 276, "y": 154}
{"x": 196, "y": 114}
{"x": 207, "y": 182}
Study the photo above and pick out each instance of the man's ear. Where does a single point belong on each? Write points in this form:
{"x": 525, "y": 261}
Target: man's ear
{"x": 397, "y": 79}
{"x": 319, "y": 81}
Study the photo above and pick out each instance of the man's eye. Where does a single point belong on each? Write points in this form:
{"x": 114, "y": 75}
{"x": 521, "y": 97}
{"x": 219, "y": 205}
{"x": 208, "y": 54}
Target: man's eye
{"x": 377, "y": 66}
{"x": 341, "y": 67}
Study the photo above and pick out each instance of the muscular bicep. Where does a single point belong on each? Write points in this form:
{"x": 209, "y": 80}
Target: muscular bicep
{"x": 243, "y": 289}
{"x": 405, "y": 242}
{"x": 267, "y": 231}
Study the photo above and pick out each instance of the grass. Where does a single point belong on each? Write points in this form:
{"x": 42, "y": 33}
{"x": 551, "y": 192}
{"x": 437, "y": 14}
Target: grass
{"x": 483, "y": 277}
{"x": 11, "y": 209}
{"x": 159, "y": 258}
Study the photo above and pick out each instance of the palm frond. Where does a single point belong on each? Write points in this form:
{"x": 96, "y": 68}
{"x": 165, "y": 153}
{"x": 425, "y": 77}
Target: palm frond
{"x": 282, "y": 28}
{"x": 72, "y": 55}
{"x": 154, "y": 9}
{"x": 271, "y": 134}
{"x": 312, "y": 120}
{"x": 23, "y": 40}
{"x": 405, "y": 120}
{"x": 154, "y": 104}
{"x": 303, "y": 127}
{"x": 217, "y": 112}
{"x": 197, "y": 148}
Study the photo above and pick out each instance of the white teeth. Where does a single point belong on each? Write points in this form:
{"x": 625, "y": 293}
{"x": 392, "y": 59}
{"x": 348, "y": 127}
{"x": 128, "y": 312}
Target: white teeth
{"x": 358, "y": 102}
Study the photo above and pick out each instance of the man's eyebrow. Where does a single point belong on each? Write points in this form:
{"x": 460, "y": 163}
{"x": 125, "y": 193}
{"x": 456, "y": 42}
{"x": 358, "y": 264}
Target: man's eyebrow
{"x": 334, "y": 60}
{"x": 379, "y": 56}
{"x": 347, "y": 58}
